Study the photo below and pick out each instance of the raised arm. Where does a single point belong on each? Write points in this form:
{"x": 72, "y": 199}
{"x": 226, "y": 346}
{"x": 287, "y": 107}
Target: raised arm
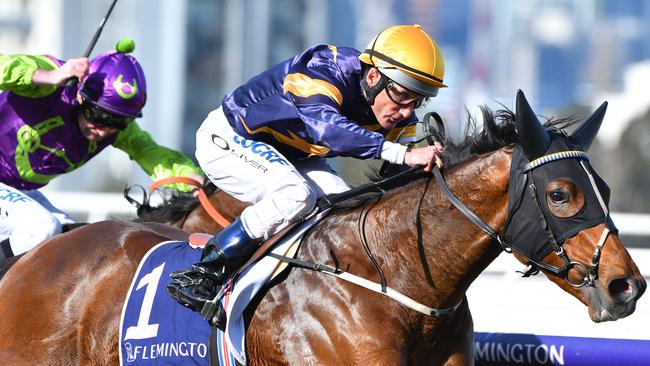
{"x": 157, "y": 161}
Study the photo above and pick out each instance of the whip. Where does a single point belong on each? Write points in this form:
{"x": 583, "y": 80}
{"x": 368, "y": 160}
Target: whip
{"x": 93, "y": 41}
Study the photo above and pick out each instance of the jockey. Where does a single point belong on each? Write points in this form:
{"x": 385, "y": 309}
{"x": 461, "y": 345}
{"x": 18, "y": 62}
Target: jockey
{"x": 268, "y": 142}
{"x": 48, "y": 128}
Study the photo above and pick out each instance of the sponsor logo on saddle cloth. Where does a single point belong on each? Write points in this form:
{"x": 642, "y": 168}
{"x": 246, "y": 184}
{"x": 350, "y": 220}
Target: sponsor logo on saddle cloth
{"x": 155, "y": 329}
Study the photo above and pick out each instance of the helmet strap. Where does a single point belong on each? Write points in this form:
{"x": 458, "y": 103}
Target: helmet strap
{"x": 371, "y": 92}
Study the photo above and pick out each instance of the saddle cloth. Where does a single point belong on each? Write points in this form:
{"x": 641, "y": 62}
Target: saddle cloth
{"x": 155, "y": 329}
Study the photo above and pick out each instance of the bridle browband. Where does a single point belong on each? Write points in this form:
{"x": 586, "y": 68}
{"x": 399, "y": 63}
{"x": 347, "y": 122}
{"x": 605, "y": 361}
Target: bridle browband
{"x": 569, "y": 154}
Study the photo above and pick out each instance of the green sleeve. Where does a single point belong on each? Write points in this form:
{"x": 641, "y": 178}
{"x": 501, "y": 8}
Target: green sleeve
{"x": 157, "y": 161}
{"x": 16, "y": 73}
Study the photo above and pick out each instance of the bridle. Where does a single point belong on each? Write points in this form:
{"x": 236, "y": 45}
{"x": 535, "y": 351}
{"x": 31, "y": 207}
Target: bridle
{"x": 590, "y": 274}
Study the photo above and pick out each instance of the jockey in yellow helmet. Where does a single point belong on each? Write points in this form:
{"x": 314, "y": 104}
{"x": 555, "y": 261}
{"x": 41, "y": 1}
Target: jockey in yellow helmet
{"x": 408, "y": 56}
{"x": 268, "y": 142}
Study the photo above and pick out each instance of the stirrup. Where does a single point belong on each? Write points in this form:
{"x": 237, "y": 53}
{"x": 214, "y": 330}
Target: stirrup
{"x": 188, "y": 296}
{"x": 212, "y": 309}
{"x": 217, "y": 317}
{"x": 195, "y": 286}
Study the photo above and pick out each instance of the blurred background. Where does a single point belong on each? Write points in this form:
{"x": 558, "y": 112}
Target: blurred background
{"x": 568, "y": 57}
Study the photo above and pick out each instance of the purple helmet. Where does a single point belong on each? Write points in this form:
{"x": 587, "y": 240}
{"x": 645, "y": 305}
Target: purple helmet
{"x": 116, "y": 84}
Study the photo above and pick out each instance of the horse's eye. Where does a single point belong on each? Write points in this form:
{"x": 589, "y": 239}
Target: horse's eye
{"x": 563, "y": 198}
{"x": 559, "y": 196}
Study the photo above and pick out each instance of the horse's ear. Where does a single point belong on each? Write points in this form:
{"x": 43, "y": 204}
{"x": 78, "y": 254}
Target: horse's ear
{"x": 533, "y": 137}
{"x": 584, "y": 135}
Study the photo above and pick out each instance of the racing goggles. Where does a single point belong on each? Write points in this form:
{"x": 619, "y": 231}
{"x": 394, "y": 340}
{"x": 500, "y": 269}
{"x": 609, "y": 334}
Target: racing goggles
{"x": 103, "y": 119}
{"x": 404, "y": 97}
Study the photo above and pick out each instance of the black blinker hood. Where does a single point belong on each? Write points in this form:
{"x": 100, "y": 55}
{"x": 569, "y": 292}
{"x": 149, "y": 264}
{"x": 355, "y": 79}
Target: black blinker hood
{"x": 531, "y": 218}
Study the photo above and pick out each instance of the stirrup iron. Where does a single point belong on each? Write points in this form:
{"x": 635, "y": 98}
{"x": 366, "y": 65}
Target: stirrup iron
{"x": 210, "y": 308}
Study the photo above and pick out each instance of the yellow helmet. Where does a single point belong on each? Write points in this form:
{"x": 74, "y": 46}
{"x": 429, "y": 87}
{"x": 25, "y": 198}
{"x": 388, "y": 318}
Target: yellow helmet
{"x": 407, "y": 55}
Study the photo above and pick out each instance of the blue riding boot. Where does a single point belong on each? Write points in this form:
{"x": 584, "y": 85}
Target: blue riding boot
{"x": 223, "y": 255}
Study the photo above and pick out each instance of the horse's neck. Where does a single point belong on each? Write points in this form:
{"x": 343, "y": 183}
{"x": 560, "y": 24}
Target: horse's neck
{"x": 453, "y": 251}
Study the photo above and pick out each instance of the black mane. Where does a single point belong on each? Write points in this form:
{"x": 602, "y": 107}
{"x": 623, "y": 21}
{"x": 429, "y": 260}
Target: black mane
{"x": 497, "y": 130}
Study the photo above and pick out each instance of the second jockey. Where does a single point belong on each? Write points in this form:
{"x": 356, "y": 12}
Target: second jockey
{"x": 48, "y": 128}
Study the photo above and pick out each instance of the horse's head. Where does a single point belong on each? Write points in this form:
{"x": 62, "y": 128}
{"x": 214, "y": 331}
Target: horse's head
{"x": 559, "y": 217}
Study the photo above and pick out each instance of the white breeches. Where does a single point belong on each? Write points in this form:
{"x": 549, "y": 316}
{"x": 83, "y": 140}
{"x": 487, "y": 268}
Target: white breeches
{"x": 279, "y": 190}
{"x": 27, "y": 218}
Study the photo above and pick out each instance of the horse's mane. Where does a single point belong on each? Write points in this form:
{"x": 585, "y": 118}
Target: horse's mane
{"x": 174, "y": 208}
{"x": 497, "y": 130}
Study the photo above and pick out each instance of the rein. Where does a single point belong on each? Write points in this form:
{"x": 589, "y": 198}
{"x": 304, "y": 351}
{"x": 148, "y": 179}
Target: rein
{"x": 364, "y": 241}
{"x": 466, "y": 211}
{"x": 329, "y": 200}
{"x": 372, "y": 286}
{"x": 203, "y": 198}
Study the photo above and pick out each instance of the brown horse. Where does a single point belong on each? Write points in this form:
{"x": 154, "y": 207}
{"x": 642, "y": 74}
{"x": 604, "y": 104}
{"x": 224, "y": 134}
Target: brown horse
{"x": 61, "y": 302}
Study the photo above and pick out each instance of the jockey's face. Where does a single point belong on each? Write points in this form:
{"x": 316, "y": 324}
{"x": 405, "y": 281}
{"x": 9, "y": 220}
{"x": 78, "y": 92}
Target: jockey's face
{"x": 93, "y": 131}
{"x": 386, "y": 110}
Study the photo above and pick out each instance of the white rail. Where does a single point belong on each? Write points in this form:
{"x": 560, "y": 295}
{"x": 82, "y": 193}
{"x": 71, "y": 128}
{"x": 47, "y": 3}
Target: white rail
{"x": 91, "y": 206}
{"x": 632, "y": 223}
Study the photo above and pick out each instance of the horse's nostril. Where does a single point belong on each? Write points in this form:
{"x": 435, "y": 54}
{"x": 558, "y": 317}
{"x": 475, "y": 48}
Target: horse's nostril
{"x": 623, "y": 290}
